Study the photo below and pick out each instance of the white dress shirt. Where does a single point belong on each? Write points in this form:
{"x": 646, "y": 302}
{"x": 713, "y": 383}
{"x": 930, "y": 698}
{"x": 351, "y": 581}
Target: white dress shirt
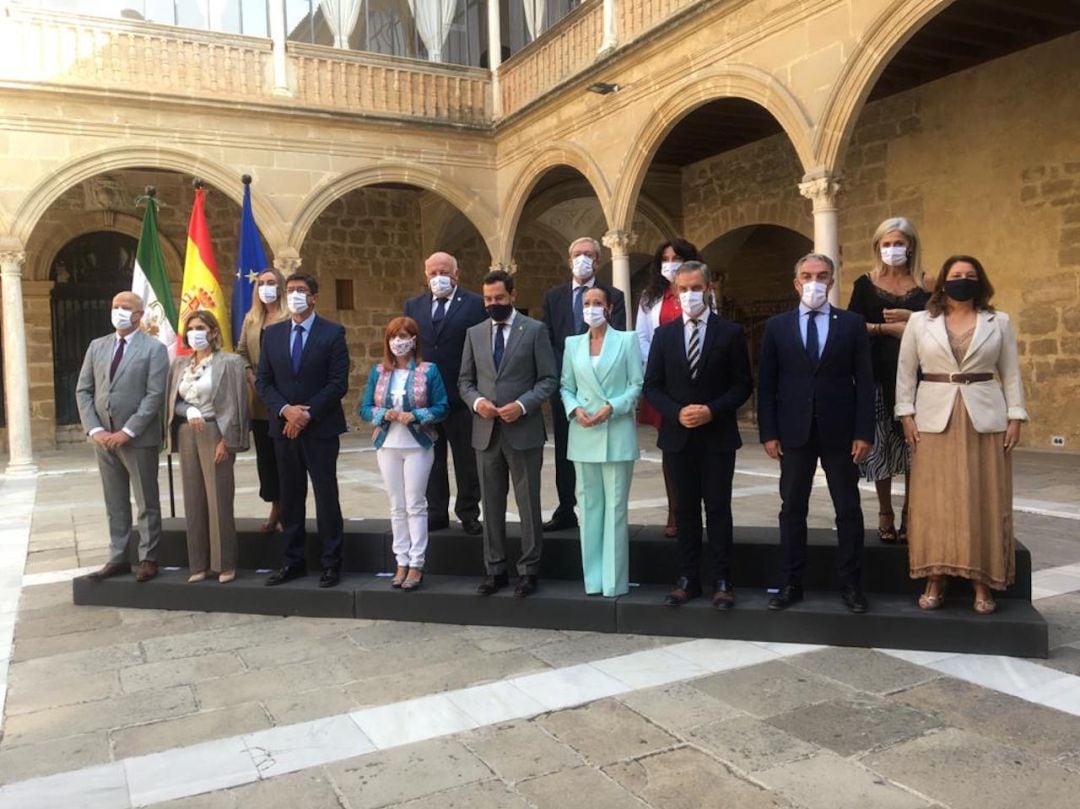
{"x": 505, "y": 326}
{"x": 821, "y": 321}
{"x": 449, "y": 300}
{"x": 688, "y": 329}
{"x": 127, "y": 344}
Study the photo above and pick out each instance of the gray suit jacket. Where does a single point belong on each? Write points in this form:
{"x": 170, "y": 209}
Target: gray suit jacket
{"x": 134, "y": 398}
{"x": 228, "y": 390}
{"x": 526, "y": 374}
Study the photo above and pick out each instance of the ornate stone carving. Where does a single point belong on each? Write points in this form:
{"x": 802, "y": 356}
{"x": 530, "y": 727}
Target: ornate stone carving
{"x": 619, "y": 242}
{"x": 11, "y": 262}
{"x": 104, "y": 193}
{"x": 822, "y": 191}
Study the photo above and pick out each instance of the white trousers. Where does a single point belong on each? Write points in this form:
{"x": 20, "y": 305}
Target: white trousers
{"x": 405, "y": 472}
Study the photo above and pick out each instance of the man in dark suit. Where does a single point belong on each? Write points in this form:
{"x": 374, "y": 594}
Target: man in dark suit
{"x": 816, "y": 401}
{"x": 303, "y": 375}
{"x": 507, "y": 371}
{"x": 120, "y": 394}
{"x": 698, "y": 374}
{"x": 444, "y": 315}
{"x": 562, "y": 314}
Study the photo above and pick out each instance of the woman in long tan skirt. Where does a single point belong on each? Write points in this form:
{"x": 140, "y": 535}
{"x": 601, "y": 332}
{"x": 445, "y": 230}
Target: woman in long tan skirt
{"x": 961, "y": 419}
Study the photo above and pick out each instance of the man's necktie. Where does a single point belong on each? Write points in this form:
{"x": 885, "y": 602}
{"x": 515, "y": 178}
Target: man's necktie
{"x": 693, "y": 352}
{"x": 813, "y": 350}
{"x": 579, "y": 313}
{"x": 117, "y": 356}
{"x": 297, "y": 347}
{"x": 500, "y": 345}
{"x": 440, "y": 311}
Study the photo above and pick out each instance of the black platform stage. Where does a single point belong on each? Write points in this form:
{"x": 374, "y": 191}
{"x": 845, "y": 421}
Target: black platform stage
{"x": 455, "y": 562}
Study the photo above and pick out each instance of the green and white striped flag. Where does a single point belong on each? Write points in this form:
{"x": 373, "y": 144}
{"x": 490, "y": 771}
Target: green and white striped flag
{"x": 151, "y": 283}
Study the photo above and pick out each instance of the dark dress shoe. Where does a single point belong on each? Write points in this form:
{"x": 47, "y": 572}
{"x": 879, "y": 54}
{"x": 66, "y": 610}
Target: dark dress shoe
{"x": 490, "y": 585}
{"x": 109, "y": 570}
{"x": 683, "y": 591}
{"x": 437, "y": 523}
{"x": 147, "y": 571}
{"x": 854, "y": 599}
{"x": 526, "y": 586}
{"x": 473, "y": 528}
{"x": 788, "y": 595}
{"x": 284, "y": 575}
{"x": 723, "y": 597}
{"x": 330, "y": 577}
{"x": 559, "y": 524}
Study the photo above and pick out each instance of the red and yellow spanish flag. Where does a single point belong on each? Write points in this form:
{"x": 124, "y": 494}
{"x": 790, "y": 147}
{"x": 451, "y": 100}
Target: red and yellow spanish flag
{"x": 201, "y": 288}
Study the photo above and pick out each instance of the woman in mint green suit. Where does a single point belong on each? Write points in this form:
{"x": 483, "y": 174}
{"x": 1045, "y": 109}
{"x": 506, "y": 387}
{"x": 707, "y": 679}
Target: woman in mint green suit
{"x": 601, "y": 384}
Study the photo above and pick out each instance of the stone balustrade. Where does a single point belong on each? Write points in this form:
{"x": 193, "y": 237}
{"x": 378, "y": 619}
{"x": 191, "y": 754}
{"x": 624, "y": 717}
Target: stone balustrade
{"x": 635, "y": 17}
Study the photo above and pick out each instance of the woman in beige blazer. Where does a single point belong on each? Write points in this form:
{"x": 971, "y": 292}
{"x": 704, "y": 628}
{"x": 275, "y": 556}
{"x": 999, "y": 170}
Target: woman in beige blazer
{"x": 961, "y": 418}
{"x": 208, "y": 423}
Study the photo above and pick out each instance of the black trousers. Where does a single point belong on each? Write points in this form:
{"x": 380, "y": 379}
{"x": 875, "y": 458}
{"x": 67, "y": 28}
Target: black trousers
{"x": 297, "y": 458}
{"x": 703, "y": 477}
{"x": 565, "y": 478}
{"x": 797, "y": 467}
{"x": 265, "y": 461}
{"x": 455, "y": 434}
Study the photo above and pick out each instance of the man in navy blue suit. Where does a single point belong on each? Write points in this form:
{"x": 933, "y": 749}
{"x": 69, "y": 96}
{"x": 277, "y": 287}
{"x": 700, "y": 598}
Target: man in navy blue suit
{"x": 816, "y": 402}
{"x": 302, "y": 377}
{"x": 697, "y": 377}
{"x": 562, "y": 314}
{"x": 444, "y": 314}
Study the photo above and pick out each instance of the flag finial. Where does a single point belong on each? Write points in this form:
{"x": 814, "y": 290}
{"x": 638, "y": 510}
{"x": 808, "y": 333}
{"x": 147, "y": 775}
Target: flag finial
{"x": 198, "y": 182}
{"x": 246, "y": 179}
{"x": 151, "y": 191}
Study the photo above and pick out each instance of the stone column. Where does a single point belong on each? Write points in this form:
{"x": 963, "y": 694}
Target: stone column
{"x": 494, "y": 54}
{"x": 276, "y": 9}
{"x": 823, "y": 192}
{"x": 610, "y": 37}
{"x": 16, "y": 370}
{"x": 619, "y": 243}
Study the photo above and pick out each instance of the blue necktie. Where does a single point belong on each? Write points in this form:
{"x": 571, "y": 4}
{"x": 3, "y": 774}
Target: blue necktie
{"x": 579, "y": 314}
{"x": 297, "y": 347}
{"x": 812, "y": 348}
{"x": 440, "y": 311}
{"x": 500, "y": 345}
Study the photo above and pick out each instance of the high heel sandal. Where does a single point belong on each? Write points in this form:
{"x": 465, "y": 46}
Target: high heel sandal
{"x": 888, "y": 534}
{"x": 929, "y": 602}
{"x": 399, "y": 577}
{"x": 413, "y": 582}
{"x": 194, "y": 577}
{"x": 985, "y": 606}
{"x": 901, "y": 535}
{"x": 226, "y": 576}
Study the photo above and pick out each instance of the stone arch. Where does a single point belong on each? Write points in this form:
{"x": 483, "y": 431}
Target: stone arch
{"x": 467, "y": 202}
{"x": 164, "y": 158}
{"x": 560, "y": 153}
{"x": 733, "y": 81}
{"x": 884, "y": 37}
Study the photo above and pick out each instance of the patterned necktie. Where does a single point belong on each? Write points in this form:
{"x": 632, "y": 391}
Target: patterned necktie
{"x": 500, "y": 345}
{"x": 117, "y": 356}
{"x": 812, "y": 347}
{"x": 579, "y": 313}
{"x": 693, "y": 352}
{"x": 440, "y": 311}
{"x": 297, "y": 347}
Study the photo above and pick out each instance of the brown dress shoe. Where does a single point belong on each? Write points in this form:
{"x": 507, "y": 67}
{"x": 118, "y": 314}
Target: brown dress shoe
{"x": 147, "y": 571}
{"x": 110, "y": 569}
{"x": 723, "y": 595}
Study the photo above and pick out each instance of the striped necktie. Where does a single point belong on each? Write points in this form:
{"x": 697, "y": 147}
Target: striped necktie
{"x": 693, "y": 352}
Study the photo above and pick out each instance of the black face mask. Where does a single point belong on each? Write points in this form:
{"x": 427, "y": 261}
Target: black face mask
{"x": 962, "y": 289}
{"x": 500, "y": 311}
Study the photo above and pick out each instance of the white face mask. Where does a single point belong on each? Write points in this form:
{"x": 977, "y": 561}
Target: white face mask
{"x": 198, "y": 339}
{"x": 121, "y": 318}
{"x": 894, "y": 255}
{"x": 668, "y": 270}
{"x": 593, "y": 315}
{"x": 441, "y": 285}
{"x": 297, "y": 302}
{"x": 582, "y": 267}
{"x": 402, "y": 346}
{"x": 814, "y": 294}
{"x": 268, "y": 294}
{"x": 692, "y": 302}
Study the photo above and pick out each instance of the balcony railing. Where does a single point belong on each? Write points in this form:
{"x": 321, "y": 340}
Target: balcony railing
{"x": 66, "y": 50}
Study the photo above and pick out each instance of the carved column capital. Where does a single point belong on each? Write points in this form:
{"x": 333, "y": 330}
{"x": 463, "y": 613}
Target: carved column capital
{"x": 822, "y": 191}
{"x": 11, "y": 262}
{"x": 619, "y": 242}
{"x": 511, "y": 267}
{"x": 287, "y": 264}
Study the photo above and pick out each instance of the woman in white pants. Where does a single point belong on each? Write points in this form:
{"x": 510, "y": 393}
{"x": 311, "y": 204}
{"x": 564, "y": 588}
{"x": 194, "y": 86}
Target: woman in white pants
{"x": 403, "y": 399}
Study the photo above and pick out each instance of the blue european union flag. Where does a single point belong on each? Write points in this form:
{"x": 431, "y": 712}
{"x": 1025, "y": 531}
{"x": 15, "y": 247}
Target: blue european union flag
{"x": 250, "y": 261}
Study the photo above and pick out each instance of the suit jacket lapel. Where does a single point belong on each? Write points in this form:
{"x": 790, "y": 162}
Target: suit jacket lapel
{"x": 795, "y": 330}
{"x": 609, "y": 357}
{"x": 483, "y": 354}
{"x": 936, "y": 327}
{"x": 125, "y": 361}
{"x": 513, "y": 340}
{"x": 983, "y": 329}
{"x": 425, "y": 315}
{"x": 830, "y": 339}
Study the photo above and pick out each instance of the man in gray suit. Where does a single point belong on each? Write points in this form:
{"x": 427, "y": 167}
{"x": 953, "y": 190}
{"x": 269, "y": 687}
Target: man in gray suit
{"x": 120, "y": 393}
{"x": 507, "y": 373}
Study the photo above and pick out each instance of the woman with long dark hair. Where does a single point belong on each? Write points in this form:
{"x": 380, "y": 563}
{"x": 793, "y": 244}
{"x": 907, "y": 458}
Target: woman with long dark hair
{"x": 660, "y": 304}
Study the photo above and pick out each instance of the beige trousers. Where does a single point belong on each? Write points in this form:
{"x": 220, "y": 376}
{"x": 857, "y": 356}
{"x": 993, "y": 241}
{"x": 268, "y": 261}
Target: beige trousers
{"x": 208, "y": 500}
